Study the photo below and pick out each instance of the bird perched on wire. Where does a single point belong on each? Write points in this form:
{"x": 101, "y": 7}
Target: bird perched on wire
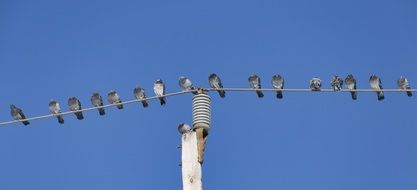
{"x": 114, "y": 98}
{"x": 183, "y": 128}
{"x": 75, "y": 106}
{"x": 17, "y": 114}
{"x": 159, "y": 89}
{"x": 336, "y": 83}
{"x": 315, "y": 84}
{"x": 350, "y": 83}
{"x": 97, "y": 101}
{"x": 404, "y": 85}
{"x": 186, "y": 84}
{"x": 55, "y": 109}
{"x": 376, "y": 84}
{"x": 278, "y": 84}
{"x": 255, "y": 83}
{"x": 216, "y": 84}
{"x": 139, "y": 94}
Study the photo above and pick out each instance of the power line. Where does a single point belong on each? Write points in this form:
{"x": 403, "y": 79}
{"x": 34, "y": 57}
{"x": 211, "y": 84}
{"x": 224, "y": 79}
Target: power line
{"x": 309, "y": 90}
{"x": 303, "y": 90}
{"x": 94, "y": 108}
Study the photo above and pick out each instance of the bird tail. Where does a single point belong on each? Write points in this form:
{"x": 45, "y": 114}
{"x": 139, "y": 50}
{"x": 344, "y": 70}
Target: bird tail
{"x": 260, "y": 94}
{"x": 145, "y": 104}
{"x": 101, "y": 111}
{"x": 79, "y": 115}
{"x": 162, "y": 100}
{"x": 380, "y": 95}
{"x": 279, "y": 94}
{"x": 120, "y": 106}
{"x": 25, "y": 122}
{"x": 60, "y": 119}
{"x": 222, "y": 93}
{"x": 354, "y": 95}
{"x": 409, "y": 93}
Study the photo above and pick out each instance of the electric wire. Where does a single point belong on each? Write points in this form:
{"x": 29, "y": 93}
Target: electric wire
{"x": 308, "y": 90}
{"x": 95, "y": 108}
{"x": 305, "y": 90}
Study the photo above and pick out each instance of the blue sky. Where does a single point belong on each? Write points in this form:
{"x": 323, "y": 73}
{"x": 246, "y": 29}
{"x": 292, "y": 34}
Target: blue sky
{"x": 57, "y": 49}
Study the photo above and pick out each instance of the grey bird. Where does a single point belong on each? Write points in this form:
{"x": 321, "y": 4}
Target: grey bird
{"x": 114, "y": 98}
{"x": 17, "y": 114}
{"x": 216, "y": 84}
{"x": 315, "y": 84}
{"x": 350, "y": 83}
{"x": 185, "y": 84}
{"x": 336, "y": 83}
{"x": 404, "y": 85}
{"x": 184, "y": 128}
{"x": 159, "y": 89}
{"x": 75, "y": 106}
{"x": 140, "y": 95}
{"x": 255, "y": 83}
{"x": 278, "y": 84}
{"x": 376, "y": 84}
{"x": 55, "y": 109}
{"x": 97, "y": 101}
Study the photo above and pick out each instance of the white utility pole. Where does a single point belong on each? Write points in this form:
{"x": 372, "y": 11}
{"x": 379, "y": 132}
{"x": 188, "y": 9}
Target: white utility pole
{"x": 191, "y": 168}
{"x": 193, "y": 142}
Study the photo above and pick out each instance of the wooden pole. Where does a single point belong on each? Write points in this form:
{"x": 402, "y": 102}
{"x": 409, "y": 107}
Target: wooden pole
{"x": 201, "y": 143}
{"x": 191, "y": 167}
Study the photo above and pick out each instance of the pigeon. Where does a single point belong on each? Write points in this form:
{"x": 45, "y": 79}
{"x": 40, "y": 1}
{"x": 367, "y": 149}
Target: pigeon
{"x": 17, "y": 114}
{"x": 376, "y": 84}
{"x": 55, "y": 109}
{"x": 75, "y": 106}
{"x": 350, "y": 83}
{"x": 278, "y": 84}
{"x": 97, "y": 101}
{"x": 185, "y": 84}
{"x": 315, "y": 84}
{"x": 255, "y": 83}
{"x": 114, "y": 98}
{"x": 183, "y": 128}
{"x": 404, "y": 85}
{"x": 159, "y": 89}
{"x": 216, "y": 83}
{"x": 337, "y": 83}
{"x": 139, "y": 94}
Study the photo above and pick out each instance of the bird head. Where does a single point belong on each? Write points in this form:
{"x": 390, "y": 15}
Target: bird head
{"x": 253, "y": 78}
{"x": 212, "y": 76}
{"x": 373, "y": 77}
{"x": 112, "y": 93}
{"x": 52, "y": 102}
{"x": 277, "y": 77}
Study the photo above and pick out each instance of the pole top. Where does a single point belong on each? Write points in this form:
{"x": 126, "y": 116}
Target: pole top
{"x": 201, "y": 90}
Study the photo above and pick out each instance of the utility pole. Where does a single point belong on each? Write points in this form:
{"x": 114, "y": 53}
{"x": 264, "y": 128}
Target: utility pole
{"x": 191, "y": 168}
{"x": 193, "y": 142}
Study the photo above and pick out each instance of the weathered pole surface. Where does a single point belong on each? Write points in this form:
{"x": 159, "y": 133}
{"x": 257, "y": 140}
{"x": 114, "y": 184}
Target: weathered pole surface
{"x": 191, "y": 167}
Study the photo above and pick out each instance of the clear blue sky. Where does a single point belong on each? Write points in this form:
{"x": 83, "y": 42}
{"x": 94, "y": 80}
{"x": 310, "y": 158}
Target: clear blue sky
{"x": 57, "y": 49}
